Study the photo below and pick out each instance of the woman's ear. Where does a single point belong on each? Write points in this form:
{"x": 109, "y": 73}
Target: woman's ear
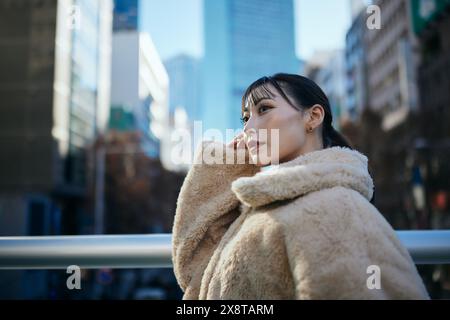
{"x": 316, "y": 116}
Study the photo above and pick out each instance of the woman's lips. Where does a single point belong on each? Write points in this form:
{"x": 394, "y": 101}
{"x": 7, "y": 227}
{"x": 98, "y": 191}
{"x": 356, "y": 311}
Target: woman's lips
{"x": 253, "y": 145}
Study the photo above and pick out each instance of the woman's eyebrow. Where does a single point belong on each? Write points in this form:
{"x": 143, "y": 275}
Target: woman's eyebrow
{"x": 262, "y": 99}
{"x": 252, "y": 103}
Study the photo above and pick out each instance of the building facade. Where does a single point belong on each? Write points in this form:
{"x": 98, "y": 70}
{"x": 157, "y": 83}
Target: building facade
{"x": 331, "y": 78}
{"x": 184, "y": 74}
{"x": 431, "y": 23}
{"x": 54, "y": 88}
{"x": 391, "y": 63}
{"x": 356, "y": 67}
{"x": 139, "y": 88}
{"x": 244, "y": 40}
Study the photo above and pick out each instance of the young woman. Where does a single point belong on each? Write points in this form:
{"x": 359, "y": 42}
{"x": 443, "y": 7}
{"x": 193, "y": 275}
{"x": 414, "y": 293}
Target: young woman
{"x": 305, "y": 229}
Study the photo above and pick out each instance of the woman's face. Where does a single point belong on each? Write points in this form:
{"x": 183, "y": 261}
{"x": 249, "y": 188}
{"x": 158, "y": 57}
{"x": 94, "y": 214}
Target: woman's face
{"x": 273, "y": 112}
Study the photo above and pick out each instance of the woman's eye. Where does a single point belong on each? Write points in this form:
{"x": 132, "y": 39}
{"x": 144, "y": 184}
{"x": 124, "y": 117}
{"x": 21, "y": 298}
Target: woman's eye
{"x": 263, "y": 108}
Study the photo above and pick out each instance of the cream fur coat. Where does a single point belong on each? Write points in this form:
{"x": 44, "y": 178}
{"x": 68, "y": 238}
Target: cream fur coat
{"x": 303, "y": 230}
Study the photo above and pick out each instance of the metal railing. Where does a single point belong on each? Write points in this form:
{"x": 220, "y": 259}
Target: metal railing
{"x": 154, "y": 251}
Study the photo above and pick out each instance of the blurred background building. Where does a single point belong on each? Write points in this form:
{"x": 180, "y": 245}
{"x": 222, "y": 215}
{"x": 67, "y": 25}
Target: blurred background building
{"x": 55, "y": 101}
{"x": 329, "y": 74}
{"x": 391, "y": 63}
{"x": 356, "y": 85}
{"x": 139, "y": 89}
{"x": 185, "y": 98}
{"x": 431, "y": 25}
{"x": 244, "y": 40}
{"x": 54, "y": 92}
{"x": 140, "y": 84}
{"x": 184, "y": 74}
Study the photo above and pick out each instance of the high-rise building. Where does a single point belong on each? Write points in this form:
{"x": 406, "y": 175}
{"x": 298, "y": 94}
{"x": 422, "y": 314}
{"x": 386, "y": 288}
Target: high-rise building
{"x": 54, "y": 88}
{"x": 55, "y": 93}
{"x": 244, "y": 40}
{"x": 356, "y": 67}
{"x": 431, "y": 23}
{"x": 356, "y": 6}
{"x": 391, "y": 63}
{"x": 185, "y": 108}
{"x": 126, "y": 15}
{"x": 140, "y": 84}
{"x": 317, "y": 61}
{"x": 184, "y": 74}
{"x": 331, "y": 78}
{"x": 139, "y": 89}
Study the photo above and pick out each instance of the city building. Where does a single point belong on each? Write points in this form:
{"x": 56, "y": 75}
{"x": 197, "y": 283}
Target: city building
{"x": 391, "y": 63}
{"x": 54, "y": 88}
{"x": 126, "y": 15}
{"x": 431, "y": 24}
{"x": 139, "y": 89}
{"x": 184, "y": 75}
{"x": 331, "y": 78}
{"x": 185, "y": 108}
{"x": 244, "y": 40}
{"x": 432, "y": 28}
{"x": 356, "y": 85}
{"x": 140, "y": 83}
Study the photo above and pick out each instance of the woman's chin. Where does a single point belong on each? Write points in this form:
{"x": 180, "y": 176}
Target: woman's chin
{"x": 260, "y": 161}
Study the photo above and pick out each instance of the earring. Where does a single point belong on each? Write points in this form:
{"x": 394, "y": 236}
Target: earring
{"x": 310, "y": 129}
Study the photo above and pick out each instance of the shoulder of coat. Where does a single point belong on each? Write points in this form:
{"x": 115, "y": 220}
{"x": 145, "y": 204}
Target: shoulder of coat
{"x": 325, "y": 206}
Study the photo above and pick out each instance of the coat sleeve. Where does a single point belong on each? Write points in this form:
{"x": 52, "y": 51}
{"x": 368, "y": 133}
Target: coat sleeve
{"x": 206, "y": 207}
{"x": 343, "y": 248}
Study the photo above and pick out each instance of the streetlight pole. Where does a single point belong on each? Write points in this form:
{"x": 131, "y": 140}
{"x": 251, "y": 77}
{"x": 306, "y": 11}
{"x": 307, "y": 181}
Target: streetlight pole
{"x": 99, "y": 189}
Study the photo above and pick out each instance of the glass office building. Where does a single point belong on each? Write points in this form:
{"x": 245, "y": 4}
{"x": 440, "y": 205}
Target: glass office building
{"x": 244, "y": 40}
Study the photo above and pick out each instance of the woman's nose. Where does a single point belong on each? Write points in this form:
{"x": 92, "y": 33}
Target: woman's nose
{"x": 249, "y": 125}
{"x": 250, "y": 133}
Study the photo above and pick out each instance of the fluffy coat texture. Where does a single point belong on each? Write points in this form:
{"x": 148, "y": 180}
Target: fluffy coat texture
{"x": 303, "y": 230}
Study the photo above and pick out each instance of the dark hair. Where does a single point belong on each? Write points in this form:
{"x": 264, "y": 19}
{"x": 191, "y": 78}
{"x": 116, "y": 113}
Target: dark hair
{"x": 305, "y": 94}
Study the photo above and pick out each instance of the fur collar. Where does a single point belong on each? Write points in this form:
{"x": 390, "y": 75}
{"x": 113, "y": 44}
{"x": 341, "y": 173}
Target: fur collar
{"x": 313, "y": 171}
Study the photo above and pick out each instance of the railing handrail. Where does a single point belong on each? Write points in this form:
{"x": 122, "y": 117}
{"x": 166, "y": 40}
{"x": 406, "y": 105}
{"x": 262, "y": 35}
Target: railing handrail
{"x": 93, "y": 251}
{"x": 155, "y": 250}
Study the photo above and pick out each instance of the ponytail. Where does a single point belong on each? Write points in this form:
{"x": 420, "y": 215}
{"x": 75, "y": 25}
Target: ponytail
{"x": 332, "y": 138}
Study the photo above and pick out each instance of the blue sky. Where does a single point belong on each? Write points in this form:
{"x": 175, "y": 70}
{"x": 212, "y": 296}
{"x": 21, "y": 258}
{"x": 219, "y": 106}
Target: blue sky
{"x": 176, "y": 26}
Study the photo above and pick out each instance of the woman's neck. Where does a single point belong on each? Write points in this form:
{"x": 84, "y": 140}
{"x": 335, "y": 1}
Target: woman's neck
{"x": 310, "y": 145}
